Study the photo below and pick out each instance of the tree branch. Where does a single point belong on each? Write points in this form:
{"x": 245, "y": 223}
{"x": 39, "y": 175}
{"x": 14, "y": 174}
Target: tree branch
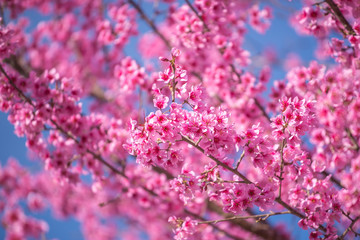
{"x": 198, "y": 15}
{"x": 278, "y": 200}
{"x": 149, "y": 22}
{"x": 352, "y": 138}
{"x": 349, "y": 228}
{"x": 214, "y": 226}
{"x": 262, "y": 109}
{"x": 11, "y": 82}
{"x": 260, "y": 217}
{"x": 58, "y": 127}
{"x": 283, "y": 143}
{"x": 262, "y": 229}
{"x": 333, "y": 179}
{"x": 338, "y": 14}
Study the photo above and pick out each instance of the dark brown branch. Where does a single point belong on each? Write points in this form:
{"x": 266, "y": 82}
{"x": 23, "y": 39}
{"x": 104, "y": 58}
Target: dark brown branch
{"x": 338, "y": 14}
{"x": 15, "y": 63}
{"x": 282, "y": 166}
{"x": 261, "y": 229}
{"x": 333, "y": 179}
{"x": 113, "y": 200}
{"x": 349, "y": 228}
{"x": 149, "y": 22}
{"x": 197, "y": 14}
{"x": 99, "y": 94}
{"x": 95, "y": 155}
{"x": 11, "y": 82}
{"x": 262, "y": 109}
{"x": 163, "y": 171}
{"x": 353, "y": 139}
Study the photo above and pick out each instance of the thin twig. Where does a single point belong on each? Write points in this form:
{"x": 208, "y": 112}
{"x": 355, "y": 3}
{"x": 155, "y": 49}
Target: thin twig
{"x": 283, "y": 143}
{"x": 214, "y": 226}
{"x": 173, "y": 82}
{"x": 2, "y": 15}
{"x": 352, "y": 138}
{"x": 149, "y": 22}
{"x": 262, "y": 229}
{"x": 356, "y": 233}
{"x": 240, "y": 159}
{"x": 260, "y": 216}
{"x": 191, "y": 142}
{"x": 11, "y": 82}
{"x": 262, "y": 109}
{"x": 95, "y": 155}
{"x": 197, "y": 14}
{"x": 349, "y": 228}
{"x": 115, "y": 199}
{"x": 15, "y": 62}
{"x": 198, "y": 141}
